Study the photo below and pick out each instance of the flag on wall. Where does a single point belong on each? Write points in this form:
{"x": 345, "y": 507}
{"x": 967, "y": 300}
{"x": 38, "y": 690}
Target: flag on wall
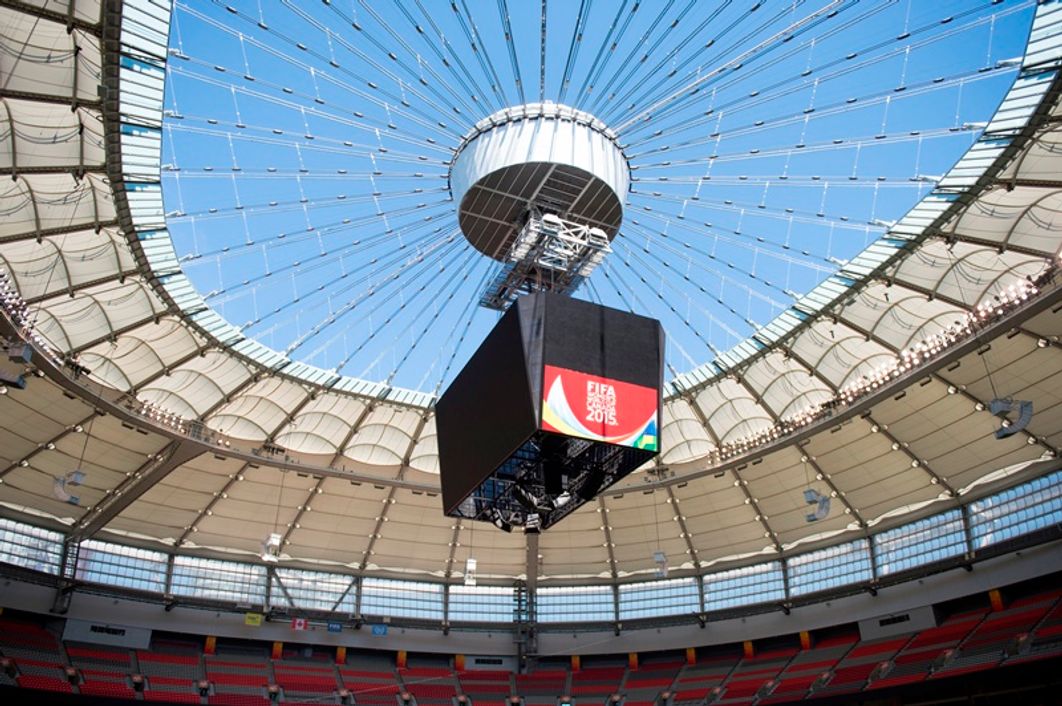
{"x": 299, "y": 624}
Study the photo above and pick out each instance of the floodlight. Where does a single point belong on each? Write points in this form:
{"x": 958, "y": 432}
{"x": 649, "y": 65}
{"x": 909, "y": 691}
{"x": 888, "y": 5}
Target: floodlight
{"x": 271, "y": 548}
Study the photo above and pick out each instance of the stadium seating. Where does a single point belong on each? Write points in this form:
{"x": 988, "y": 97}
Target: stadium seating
{"x": 1026, "y": 630}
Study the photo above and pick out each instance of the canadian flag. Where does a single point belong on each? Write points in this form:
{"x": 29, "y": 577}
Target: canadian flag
{"x": 299, "y": 624}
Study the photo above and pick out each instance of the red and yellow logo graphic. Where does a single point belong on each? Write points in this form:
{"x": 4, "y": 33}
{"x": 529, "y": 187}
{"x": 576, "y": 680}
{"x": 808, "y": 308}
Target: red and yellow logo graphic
{"x": 593, "y": 407}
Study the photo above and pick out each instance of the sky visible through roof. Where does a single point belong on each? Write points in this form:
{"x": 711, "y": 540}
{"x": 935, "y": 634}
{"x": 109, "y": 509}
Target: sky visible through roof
{"x": 306, "y": 148}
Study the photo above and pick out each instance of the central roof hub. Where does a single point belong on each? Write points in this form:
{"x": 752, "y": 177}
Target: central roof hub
{"x": 540, "y": 188}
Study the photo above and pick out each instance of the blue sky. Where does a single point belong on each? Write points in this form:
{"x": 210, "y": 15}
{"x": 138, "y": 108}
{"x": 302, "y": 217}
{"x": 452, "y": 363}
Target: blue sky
{"x": 306, "y": 147}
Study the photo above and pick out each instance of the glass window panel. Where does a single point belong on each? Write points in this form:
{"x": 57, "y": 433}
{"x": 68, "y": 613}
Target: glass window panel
{"x": 30, "y": 547}
{"x": 407, "y": 599}
{"x": 652, "y": 598}
{"x": 218, "y": 580}
{"x": 828, "y": 568}
{"x": 493, "y": 604}
{"x": 118, "y": 565}
{"x": 760, "y": 583}
{"x": 926, "y": 541}
{"x": 1017, "y": 511}
{"x": 575, "y": 604}
{"x": 315, "y": 590}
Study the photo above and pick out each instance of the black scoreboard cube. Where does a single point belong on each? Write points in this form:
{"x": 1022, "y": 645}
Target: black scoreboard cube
{"x": 560, "y": 401}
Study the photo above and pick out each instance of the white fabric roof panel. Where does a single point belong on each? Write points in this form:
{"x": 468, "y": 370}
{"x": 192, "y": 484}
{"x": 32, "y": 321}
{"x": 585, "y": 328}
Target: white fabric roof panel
{"x": 53, "y": 62}
{"x": 130, "y": 361}
{"x": 784, "y": 385}
{"x": 425, "y": 454}
{"x": 260, "y": 409}
{"x": 47, "y": 134}
{"x": 323, "y": 424}
{"x": 198, "y": 385}
{"x": 730, "y": 410}
{"x": 641, "y": 524}
{"x": 385, "y": 436}
{"x": 682, "y": 435}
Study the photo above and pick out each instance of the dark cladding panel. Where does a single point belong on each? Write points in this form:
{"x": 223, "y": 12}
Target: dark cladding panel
{"x": 560, "y": 401}
{"x": 601, "y": 341}
{"x": 486, "y": 414}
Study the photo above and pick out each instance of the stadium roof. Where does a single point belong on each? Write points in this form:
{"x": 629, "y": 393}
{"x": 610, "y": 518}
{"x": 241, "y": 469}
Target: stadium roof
{"x": 210, "y": 440}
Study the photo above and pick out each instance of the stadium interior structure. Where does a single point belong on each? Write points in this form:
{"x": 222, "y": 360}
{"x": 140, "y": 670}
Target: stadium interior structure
{"x": 860, "y": 499}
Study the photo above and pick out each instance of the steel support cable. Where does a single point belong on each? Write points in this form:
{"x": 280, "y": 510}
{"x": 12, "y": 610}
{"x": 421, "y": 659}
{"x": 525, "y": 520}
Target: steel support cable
{"x": 684, "y": 318}
{"x": 464, "y": 269}
{"x": 430, "y": 240}
{"x": 642, "y": 307}
{"x": 786, "y": 214}
{"x": 625, "y": 62}
{"x": 573, "y": 46}
{"x": 212, "y": 214}
{"x": 724, "y": 280}
{"x": 471, "y": 33}
{"x": 466, "y": 316}
{"x": 305, "y": 266}
{"x": 454, "y": 248}
{"x": 375, "y": 65}
{"x": 677, "y": 100}
{"x": 805, "y": 148}
{"x": 832, "y": 180}
{"x": 418, "y": 262}
{"x": 396, "y": 103}
{"x": 542, "y": 55}
{"x": 828, "y": 265}
{"x": 273, "y": 174}
{"x": 655, "y": 90}
{"x": 461, "y": 80}
{"x": 608, "y": 44}
{"x": 488, "y": 100}
{"x": 405, "y": 45}
{"x": 285, "y": 308}
{"x": 776, "y": 40}
{"x": 867, "y": 100}
{"x": 510, "y": 43}
{"x": 428, "y": 124}
{"x": 650, "y": 52}
{"x": 768, "y": 93}
{"x": 258, "y": 135}
{"x": 856, "y": 102}
{"x": 295, "y": 236}
{"x": 657, "y": 239}
{"x": 313, "y": 106}
{"x": 605, "y": 272}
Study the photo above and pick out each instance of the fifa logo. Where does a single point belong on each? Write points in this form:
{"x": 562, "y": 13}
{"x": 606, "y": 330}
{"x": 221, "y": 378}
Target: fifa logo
{"x": 600, "y": 403}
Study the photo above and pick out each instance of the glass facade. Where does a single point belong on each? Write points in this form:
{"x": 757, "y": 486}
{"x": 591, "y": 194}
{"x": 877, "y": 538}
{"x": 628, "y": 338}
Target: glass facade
{"x": 481, "y": 604}
{"x": 652, "y": 598}
{"x": 1003, "y": 516}
{"x": 314, "y": 590}
{"x": 218, "y": 580}
{"x": 119, "y": 565}
{"x": 933, "y": 539}
{"x": 828, "y": 568}
{"x": 760, "y": 583}
{"x": 402, "y": 599}
{"x": 576, "y": 604}
{"x": 1016, "y": 511}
